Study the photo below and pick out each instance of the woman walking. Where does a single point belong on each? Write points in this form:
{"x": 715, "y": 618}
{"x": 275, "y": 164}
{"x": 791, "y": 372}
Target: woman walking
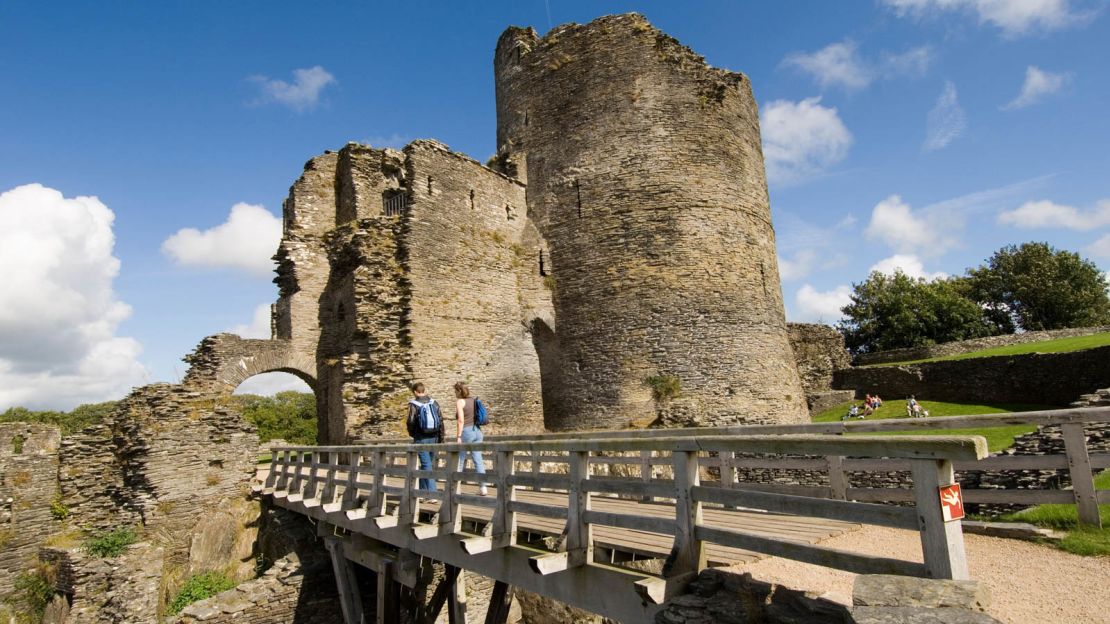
{"x": 468, "y": 431}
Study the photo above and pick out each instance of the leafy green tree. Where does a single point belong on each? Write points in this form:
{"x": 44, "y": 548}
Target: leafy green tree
{"x": 1035, "y": 286}
{"x": 289, "y": 416}
{"x": 69, "y": 422}
{"x": 897, "y": 311}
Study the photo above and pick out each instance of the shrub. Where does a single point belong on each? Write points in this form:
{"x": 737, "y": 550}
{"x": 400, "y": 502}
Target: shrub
{"x": 35, "y": 589}
{"x": 17, "y": 444}
{"x": 58, "y": 509}
{"x": 664, "y": 387}
{"x": 549, "y": 282}
{"x": 200, "y": 587}
{"x": 112, "y": 543}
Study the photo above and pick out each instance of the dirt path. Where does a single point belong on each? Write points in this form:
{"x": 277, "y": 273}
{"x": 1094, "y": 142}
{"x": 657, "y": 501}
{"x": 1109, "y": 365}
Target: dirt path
{"x": 1028, "y": 582}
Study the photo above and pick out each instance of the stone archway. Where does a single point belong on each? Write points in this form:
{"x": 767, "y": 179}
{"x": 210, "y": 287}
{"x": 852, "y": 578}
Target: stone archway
{"x": 221, "y": 362}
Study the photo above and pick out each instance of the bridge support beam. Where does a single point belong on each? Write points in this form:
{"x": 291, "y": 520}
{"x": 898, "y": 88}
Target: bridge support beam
{"x": 350, "y": 600}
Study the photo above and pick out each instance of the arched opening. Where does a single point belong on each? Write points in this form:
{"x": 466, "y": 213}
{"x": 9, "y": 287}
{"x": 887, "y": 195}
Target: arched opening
{"x": 281, "y": 405}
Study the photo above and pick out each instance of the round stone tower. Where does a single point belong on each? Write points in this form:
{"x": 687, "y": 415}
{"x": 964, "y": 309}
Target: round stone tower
{"x": 645, "y": 177}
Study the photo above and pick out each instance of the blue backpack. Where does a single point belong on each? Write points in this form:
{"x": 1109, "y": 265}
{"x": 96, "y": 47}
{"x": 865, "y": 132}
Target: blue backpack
{"x": 428, "y": 420}
{"x": 481, "y": 414}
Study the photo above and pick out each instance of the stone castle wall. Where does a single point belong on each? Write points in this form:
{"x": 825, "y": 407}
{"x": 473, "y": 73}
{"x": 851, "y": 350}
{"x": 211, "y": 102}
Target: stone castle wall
{"x": 1042, "y": 378}
{"x": 975, "y": 344}
{"x": 645, "y": 178}
{"x": 28, "y": 485}
{"x": 443, "y": 285}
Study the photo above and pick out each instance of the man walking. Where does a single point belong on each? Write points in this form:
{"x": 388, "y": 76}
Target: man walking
{"x": 425, "y": 425}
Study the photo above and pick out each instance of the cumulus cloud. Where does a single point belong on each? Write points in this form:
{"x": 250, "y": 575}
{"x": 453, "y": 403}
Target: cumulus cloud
{"x": 841, "y": 65}
{"x": 946, "y": 121}
{"x": 259, "y": 326}
{"x": 908, "y": 264}
{"x": 59, "y": 313}
{"x": 300, "y": 95}
{"x": 246, "y": 241}
{"x": 269, "y": 384}
{"x": 1038, "y": 84}
{"x": 1012, "y": 17}
{"x": 896, "y": 224}
{"x": 1100, "y": 248}
{"x": 815, "y": 305}
{"x": 801, "y": 139}
{"x": 1048, "y": 214}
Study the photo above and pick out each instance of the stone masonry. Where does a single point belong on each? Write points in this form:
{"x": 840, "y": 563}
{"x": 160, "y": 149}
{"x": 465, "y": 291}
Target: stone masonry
{"x": 645, "y": 177}
{"x": 28, "y": 486}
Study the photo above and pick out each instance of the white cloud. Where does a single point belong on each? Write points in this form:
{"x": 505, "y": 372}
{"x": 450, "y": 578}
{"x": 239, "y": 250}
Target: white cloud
{"x": 59, "y": 313}
{"x": 801, "y": 139}
{"x": 395, "y": 141}
{"x": 246, "y": 241}
{"x": 1047, "y": 214}
{"x": 912, "y": 62}
{"x": 269, "y": 384}
{"x": 909, "y": 265}
{"x": 1012, "y": 17}
{"x": 798, "y": 267}
{"x": 840, "y": 65}
{"x": 1100, "y": 248}
{"x": 835, "y": 65}
{"x": 905, "y": 230}
{"x": 946, "y": 122}
{"x": 1038, "y": 84}
{"x": 814, "y": 305}
{"x": 259, "y": 327}
{"x": 300, "y": 95}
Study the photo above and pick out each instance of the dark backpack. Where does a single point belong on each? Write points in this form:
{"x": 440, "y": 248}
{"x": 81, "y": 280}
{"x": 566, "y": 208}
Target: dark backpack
{"x": 481, "y": 414}
{"x": 427, "y": 418}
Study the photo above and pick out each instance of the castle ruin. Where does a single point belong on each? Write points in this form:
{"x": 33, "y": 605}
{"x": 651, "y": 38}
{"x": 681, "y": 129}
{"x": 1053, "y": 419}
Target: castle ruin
{"x": 621, "y": 234}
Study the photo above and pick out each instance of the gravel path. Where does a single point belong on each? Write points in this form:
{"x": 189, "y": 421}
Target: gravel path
{"x": 1028, "y": 582}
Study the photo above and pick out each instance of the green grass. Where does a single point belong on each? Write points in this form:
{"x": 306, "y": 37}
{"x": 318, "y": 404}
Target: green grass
{"x": 1059, "y": 345}
{"x": 111, "y": 543}
{"x": 200, "y": 587}
{"x": 1079, "y": 540}
{"x": 998, "y": 438}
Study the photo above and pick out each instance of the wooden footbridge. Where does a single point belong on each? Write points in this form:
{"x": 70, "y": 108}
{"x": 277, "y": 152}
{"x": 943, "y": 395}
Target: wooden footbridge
{"x": 568, "y": 515}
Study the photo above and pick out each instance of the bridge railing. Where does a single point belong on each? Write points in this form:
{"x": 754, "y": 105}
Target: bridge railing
{"x": 375, "y": 488}
{"x": 837, "y": 471}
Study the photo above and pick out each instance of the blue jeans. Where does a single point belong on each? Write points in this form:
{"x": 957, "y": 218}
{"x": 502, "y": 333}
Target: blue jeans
{"x": 469, "y": 436}
{"x": 426, "y": 459}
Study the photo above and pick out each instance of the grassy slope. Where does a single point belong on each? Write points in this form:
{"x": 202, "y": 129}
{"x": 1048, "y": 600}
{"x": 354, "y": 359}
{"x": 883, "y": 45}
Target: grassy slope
{"x": 1081, "y": 541}
{"x": 998, "y": 438}
{"x": 1060, "y": 345}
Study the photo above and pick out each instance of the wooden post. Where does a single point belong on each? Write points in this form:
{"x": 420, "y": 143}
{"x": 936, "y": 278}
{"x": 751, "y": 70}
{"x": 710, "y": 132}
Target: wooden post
{"x": 350, "y": 600}
{"x": 536, "y": 468}
{"x": 375, "y": 506}
{"x": 838, "y": 481}
{"x": 728, "y": 471}
{"x": 580, "y": 543}
{"x": 388, "y": 607}
{"x": 407, "y": 510}
{"x": 942, "y": 542}
{"x": 646, "y": 472}
{"x": 456, "y": 599}
{"x": 450, "y": 520}
{"x": 442, "y": 593}
{"x": 688, "y": 553}
{"x": 1082, "y": 479}
{"x": 499, "y": 602}
{"x": 504, "y": 518}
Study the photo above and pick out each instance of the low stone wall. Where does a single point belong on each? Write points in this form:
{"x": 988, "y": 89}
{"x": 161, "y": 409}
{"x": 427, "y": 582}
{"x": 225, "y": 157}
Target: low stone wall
{"x": 28, "y": 485}
{"x": 1045, "y": 378}
{"x": 126, "y": 588}
{"x": 818, "y": 351}
{"x": 967, "y": 346}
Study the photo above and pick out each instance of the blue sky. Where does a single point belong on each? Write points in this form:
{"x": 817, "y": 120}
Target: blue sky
{"x": 922, "y": 134}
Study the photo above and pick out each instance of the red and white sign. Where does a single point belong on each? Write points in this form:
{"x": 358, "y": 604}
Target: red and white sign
{"x": 951, "y": 502}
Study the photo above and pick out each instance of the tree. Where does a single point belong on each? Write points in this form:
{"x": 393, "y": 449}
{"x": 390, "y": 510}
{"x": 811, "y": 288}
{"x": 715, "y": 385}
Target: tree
{"x": 897, "y": 311}
{"x": 289, "y": 416}
{"x": 69, "y": 422}
{"x": 1035, "y": 286}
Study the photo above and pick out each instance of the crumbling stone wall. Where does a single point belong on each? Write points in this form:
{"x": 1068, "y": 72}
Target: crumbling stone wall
{"x": 819, "y": 351}
{"x": 221, "y": 362}
{"x": 119, "y": 590}
{"x": 645, "y": 178}
{"x": 28, "y": 485}
{"x": 975, "y": 344}
{"x": 433, "y": 275}
{"x": 1042, "y": 378}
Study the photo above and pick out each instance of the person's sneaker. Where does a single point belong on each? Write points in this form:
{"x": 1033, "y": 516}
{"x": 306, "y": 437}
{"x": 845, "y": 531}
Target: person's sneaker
{"x": 482, "y": 491}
